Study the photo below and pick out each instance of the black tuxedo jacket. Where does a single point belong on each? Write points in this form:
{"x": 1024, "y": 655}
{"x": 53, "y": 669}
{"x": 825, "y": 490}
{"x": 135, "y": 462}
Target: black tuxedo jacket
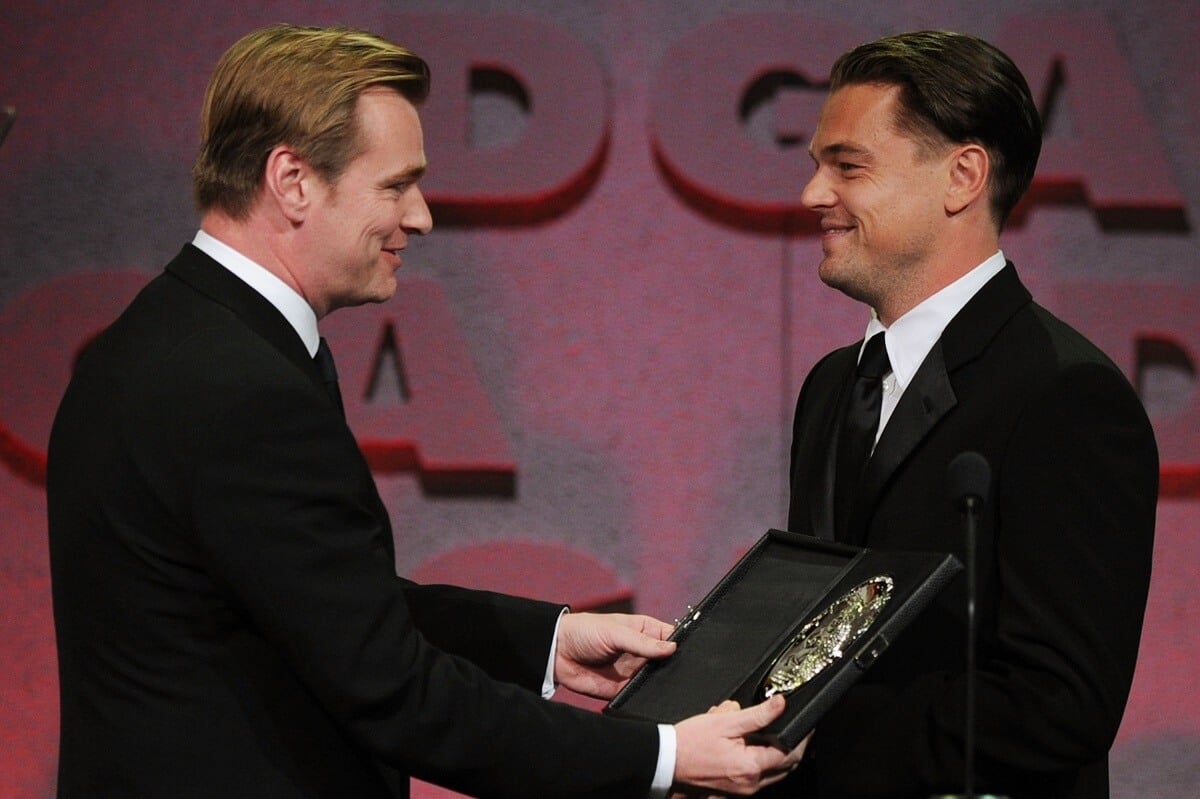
{"x": 228, "y": 616}
{"x": 1064, "y": 553}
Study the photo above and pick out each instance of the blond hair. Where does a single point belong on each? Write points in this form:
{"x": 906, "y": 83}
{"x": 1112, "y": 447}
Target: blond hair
{"x": 297, "y": 86}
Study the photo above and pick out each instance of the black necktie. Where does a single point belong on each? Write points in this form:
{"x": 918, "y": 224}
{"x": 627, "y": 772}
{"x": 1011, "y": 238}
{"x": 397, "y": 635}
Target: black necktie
{"x": 858, "y": 429}
{"x": 324, "y": 359}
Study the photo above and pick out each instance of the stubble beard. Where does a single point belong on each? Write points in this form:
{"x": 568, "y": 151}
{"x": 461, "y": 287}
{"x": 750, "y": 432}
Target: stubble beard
{"x": 846, "y": 276}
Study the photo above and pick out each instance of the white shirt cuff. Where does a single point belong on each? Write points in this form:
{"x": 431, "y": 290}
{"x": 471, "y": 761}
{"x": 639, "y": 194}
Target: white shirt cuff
{"x": 664, "y": 772}
{"x": 664, "y": 775}
{"x": 548, "y": 686}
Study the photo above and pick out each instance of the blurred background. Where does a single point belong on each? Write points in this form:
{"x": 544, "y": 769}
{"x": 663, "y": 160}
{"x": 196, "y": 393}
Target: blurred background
{"x": 583, "y": 390}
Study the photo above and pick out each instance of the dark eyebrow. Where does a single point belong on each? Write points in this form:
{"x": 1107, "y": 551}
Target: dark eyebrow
{"x": 842, "y": 149}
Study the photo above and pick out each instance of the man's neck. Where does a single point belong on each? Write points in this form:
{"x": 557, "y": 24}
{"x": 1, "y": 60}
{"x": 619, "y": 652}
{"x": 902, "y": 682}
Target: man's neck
{"x": 252, "y": 238}
{"x": 950, "y": 263}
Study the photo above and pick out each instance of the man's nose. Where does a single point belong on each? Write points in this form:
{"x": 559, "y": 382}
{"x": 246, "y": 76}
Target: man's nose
{"x": 417, "y": 217}
{"x": 816, "y": 193}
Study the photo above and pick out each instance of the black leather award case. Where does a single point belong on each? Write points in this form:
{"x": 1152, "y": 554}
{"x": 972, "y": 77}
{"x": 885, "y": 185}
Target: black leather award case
{"x": 729, "y": 642}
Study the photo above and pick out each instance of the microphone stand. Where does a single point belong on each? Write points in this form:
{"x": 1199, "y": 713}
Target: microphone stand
{"x": 969, "y": 476}
{"x": 972, "y": 513}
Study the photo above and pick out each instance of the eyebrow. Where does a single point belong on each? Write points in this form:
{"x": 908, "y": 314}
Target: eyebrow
{"x": 841, "y": 148}
{"x": 412, "y": 173}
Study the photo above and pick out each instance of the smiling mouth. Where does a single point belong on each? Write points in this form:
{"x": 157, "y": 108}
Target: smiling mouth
{"x": 833, "y": 230}
{"x": 831, "y": 233}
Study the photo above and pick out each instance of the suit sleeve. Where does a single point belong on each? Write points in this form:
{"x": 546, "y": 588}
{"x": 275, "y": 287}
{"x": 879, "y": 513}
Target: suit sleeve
{"x": 288, "y": 523}
{"x": 508, "y": 637}
{"x": 1076, "y": 499}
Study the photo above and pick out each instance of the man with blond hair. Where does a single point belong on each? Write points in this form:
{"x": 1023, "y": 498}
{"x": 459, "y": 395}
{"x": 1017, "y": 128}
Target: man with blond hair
{"x": 228, "y": 616}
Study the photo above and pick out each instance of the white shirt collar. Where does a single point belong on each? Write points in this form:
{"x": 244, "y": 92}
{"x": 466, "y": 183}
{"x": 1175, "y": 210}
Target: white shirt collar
{"x": 285, "y": 299}
{"x": 912, "y": 336}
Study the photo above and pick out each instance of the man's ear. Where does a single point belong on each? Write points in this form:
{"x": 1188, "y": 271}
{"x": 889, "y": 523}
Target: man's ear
{"x": 287, "y": 182}
{"x": 970, "y": 168}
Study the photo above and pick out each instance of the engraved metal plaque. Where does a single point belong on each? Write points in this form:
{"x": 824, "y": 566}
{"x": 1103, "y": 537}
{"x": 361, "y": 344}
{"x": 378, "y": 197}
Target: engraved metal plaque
{"x": 825, "y": 639}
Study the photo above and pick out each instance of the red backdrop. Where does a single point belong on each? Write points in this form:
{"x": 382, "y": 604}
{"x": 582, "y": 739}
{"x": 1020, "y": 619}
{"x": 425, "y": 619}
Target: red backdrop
{"x": 592, "y": 361}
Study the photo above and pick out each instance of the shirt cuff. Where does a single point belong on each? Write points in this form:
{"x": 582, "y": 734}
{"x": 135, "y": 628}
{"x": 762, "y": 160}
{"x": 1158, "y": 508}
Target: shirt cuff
{"x": 548, "y": 686}
{"x": 664, "y": 774}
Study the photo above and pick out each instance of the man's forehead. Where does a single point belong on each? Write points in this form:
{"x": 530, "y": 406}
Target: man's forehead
{"x": 851, "y": 116}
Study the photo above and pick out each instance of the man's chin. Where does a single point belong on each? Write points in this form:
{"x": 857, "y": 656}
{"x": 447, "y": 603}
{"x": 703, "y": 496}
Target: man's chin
{"x": 374, "y": 298}
{"x": 384, "y": 291}
{"x": 840, "y": 279}
{"x": 830, "y": 274}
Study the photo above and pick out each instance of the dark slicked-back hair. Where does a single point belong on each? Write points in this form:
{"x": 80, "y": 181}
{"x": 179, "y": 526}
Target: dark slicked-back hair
{"x": 956, "y": 88}
{"x": 297, "y": 86}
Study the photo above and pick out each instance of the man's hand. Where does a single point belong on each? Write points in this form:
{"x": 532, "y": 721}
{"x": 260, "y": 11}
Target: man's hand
{"x": 712, "y": 755}
{"x": 597, "y": 653}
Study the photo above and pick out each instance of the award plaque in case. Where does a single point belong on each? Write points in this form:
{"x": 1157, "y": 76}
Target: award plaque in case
{"x": 796, "y": 616}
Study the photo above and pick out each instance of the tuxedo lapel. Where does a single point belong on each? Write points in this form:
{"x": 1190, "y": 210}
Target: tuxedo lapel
{"x": 927, "y": 399}
{"x": 208, "y": 277}
{"x": 930, "y": 395}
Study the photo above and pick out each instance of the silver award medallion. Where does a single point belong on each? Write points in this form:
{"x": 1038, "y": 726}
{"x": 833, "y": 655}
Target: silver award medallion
{"x": 825, "y": 639}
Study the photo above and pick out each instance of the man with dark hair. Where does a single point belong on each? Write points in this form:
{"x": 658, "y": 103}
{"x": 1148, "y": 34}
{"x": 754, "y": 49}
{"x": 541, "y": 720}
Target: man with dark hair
{"x": 228, "y": 616}
{"x": 924, "y": 145}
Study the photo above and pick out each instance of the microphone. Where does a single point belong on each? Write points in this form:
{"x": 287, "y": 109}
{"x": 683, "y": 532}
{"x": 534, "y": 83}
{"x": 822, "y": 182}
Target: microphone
{"x": 969, "y": 480}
